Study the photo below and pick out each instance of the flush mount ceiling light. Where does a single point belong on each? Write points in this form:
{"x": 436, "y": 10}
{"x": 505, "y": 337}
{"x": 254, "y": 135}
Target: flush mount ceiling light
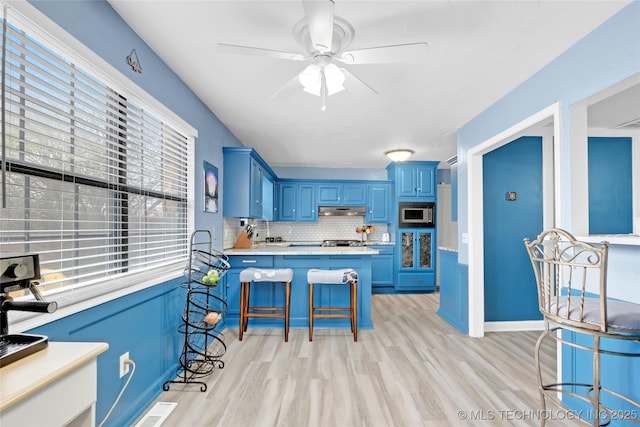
{"x": 399, "y": 155}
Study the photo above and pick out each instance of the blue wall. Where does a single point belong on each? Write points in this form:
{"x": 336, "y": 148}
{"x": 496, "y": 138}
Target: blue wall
{"x": 610, "y": 185}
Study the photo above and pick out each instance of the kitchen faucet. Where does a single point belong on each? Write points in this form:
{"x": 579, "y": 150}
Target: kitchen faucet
{"x": 268, "y": 234}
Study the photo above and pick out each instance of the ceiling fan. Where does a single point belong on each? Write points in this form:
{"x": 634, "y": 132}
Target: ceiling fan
{"x": 325, "y": 38}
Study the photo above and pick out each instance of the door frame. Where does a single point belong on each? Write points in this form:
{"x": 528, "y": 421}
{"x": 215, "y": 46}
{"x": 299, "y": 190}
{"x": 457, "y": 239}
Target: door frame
{"x": 546, "y": 123}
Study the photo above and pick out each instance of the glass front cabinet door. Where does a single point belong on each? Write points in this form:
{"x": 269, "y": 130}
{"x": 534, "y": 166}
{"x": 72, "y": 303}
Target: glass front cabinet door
{"x": 417, "y": 260}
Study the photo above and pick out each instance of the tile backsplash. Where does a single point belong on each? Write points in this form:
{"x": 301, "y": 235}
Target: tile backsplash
{"x": 335, "y": 227}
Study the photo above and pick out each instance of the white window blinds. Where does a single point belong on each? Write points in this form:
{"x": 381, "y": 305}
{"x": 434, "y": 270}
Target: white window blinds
{"x": 91, "y": 181}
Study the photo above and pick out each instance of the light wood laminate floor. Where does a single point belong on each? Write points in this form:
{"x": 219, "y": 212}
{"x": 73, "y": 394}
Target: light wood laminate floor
{"x": 413, "y": 369}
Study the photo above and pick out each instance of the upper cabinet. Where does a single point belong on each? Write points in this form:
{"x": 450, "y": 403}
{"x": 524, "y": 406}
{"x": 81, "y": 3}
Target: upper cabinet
{"x": 378, "y": 203}
{"x": 244, "y": 169}
{"x": 297, "y": 202}
{"x": 342, "y": 194}
{"x": 414, "y": 179}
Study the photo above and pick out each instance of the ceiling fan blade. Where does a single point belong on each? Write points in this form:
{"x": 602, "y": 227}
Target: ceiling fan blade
{"x": 355, "y": 84}
{"x": 410, "y": 52}
{"x": 258, "y": 51}
{"x": 320, "y": 22}
{"x": 289, "y": 87}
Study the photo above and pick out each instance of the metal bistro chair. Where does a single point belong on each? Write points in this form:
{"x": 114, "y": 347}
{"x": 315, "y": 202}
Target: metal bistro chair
{"x": 571, "y": 277}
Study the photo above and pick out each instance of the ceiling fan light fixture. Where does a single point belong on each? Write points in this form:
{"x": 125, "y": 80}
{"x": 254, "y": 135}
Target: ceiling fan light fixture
{"x": 334, "y": 78}
{"x": 399, "y": 155}
{"x": 311, "y": 79}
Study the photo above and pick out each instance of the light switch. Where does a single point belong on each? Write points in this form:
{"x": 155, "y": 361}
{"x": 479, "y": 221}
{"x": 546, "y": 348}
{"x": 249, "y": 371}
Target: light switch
{"x": 511, "y": 196}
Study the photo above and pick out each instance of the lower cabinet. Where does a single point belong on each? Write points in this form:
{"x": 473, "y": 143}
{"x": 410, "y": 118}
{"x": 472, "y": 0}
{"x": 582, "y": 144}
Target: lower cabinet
{"x": 382, "y": 269}
{"x": 416, "y": 259}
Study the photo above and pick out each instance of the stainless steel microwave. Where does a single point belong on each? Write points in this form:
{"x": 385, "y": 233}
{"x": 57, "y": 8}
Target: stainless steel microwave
{"x": 416, "y": 214}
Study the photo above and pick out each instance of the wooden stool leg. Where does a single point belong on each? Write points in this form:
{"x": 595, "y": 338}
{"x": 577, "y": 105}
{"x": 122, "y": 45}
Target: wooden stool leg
{"x": 310, "y": 311}
{"x": 286, "y": 310}
{"x": 242, "y": 320}
{"x": 247, "y": 290}
{"x": 354, "y": 309}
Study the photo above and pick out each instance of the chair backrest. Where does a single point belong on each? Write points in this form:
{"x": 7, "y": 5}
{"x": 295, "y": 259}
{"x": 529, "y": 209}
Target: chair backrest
{"x": 570, "y": 273}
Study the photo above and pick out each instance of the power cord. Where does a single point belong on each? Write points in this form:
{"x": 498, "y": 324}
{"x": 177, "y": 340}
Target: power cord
{"x": 124, "y": 387}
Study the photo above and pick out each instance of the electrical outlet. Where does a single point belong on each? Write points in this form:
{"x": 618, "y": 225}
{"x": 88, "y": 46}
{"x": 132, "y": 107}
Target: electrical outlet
{"x": 124, "y": 367}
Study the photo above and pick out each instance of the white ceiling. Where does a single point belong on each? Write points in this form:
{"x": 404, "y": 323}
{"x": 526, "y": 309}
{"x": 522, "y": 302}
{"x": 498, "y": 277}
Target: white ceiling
{"x": 478, "y": 52}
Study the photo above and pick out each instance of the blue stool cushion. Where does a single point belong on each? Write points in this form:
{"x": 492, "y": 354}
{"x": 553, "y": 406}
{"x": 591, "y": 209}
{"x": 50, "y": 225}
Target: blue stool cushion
{"x": 346, "y": 275}
{"x": 266, "y": 275}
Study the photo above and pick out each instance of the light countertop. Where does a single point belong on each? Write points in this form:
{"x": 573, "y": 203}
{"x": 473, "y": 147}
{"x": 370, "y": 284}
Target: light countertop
{"x": 26, "y": 376}
{"x": 283, "y": 249}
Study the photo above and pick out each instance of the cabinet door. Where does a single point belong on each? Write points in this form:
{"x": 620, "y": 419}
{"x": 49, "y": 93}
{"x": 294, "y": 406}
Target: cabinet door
{"x": 379, "y": 203}
{"x": 354, "y": 194}
{"x": 407, "y": 249}
{"x": 424, "y": 254}
{"x": 417, "y": 249}
{"x": 382, "y": 266}
{"x": 329, "y": 194}
{"x": 406, "y": 181}
{"x": 306, "y": 206}
{"x": 425, "y": 181}
{"x": 287, "y": 202}
{"x": 255, "y": 191}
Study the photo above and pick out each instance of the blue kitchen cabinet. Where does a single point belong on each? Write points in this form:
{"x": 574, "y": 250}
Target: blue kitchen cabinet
{"x": 416, "y": 259}
{"x": 297, "y": 202}
{"x": 382, "y": 272}
{"x": 342, "y": 194}
{"x": 378, "y": 203}
{"x": 414, "y": 179}
{"x": 248, "y": 186}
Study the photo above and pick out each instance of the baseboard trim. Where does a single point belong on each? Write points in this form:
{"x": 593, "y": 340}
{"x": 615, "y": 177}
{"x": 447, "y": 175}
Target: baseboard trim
{"x": 517, "y": 326}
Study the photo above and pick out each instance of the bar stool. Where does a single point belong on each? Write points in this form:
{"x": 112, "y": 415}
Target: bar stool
{"x": 262, "y": 275}
{"x": 334, "y": 277}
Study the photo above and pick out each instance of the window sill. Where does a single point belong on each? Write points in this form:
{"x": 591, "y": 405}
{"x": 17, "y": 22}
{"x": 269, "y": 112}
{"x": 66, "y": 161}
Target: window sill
{"x": 76, "y": 300}
{"x": 613, "y": 239}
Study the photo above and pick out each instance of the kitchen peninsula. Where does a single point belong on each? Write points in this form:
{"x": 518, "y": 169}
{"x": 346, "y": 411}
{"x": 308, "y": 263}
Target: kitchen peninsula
{"x": 300, "y": 258}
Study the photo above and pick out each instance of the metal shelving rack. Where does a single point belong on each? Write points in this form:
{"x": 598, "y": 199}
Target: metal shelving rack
{"x": 203, "y": 345}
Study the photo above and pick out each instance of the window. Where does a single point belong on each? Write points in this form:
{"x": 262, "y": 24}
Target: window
{"x": 92, "y": 179}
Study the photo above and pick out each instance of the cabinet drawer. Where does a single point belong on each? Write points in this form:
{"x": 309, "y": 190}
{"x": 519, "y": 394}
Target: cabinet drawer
{"x": 382, "y": 250}
{"x": 251, "y": 261}
{"x": 421, "y": 281}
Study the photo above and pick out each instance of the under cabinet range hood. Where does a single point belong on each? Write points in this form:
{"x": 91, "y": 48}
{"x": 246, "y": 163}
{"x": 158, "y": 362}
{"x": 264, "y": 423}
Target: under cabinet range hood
{"x": 342, "y": 211}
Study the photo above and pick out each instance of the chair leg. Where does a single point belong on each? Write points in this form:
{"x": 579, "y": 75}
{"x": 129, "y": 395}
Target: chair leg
{"x": 310, "y": 311}
{"x": 596, "y": 380}
{"x": 247, "y": 290}
{"x": 354, "y": 310}
{"x": 536, "y": 356}
{"x": 286, "y": 310}
{"x": 241, "y": 320}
